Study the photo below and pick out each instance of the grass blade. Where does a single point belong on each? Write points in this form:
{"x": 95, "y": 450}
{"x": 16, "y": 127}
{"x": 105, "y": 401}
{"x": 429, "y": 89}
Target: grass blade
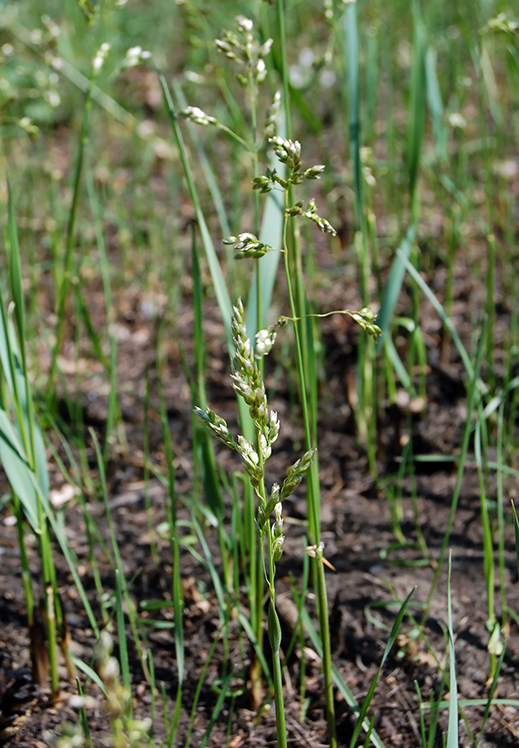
{"x": 394, "y": 286}
{"x": 121, "y": 632}
{"x": 15, "y": 274}
{"x": 222, "y": 295}
{"x": 415, "y": 275}
{"x": 339, "y": 681}
{"x": 90, "y": 673}
{"x": 516, "y": 530}
{"x": 453, "y": 731}
{"x": 435, "y": 103}
{"x": 367, "y": 701}
{"x": 416, "y": 122}
{"x": 471, "y": 401}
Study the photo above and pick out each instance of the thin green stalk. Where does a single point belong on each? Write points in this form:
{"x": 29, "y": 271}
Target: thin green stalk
{"x": 52, "y": 649}
{"x": 416, "y": 123}
{"x": 490, "y": 270}
{"x": 177, "y": 594}
{"x": 488, "y": 550}
{"x": 198, "y": 691}
{"x": 500, "y": 516}
{"x": 114, "y": 411}
{"x": 471, "y": 401}
{"x": 225, "y": 306}
{"x": 449, "y": 281}
{"x": 274, "y": 631}
{"x": 421, "y": 713}
{"x": 24, "y": 561}
{"x": 83, "y": 718}
{"x": 298, "y": 310}
{"x": 314, "y": 517}
{"x": 132, "y": 614}
{"x": 453, "y": 733}
{"x": 371, "y": 692}
{"x": 280, "y": 6}
{"x": 146, "y": 471}
{"x": 64, "y": 287}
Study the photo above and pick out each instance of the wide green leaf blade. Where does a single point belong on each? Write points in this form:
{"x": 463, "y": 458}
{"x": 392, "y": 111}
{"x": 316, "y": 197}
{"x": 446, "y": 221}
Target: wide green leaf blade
{"x": 18, "y": 471}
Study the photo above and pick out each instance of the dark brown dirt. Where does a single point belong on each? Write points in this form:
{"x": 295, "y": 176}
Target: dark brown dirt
{"x": 370, "y": 571}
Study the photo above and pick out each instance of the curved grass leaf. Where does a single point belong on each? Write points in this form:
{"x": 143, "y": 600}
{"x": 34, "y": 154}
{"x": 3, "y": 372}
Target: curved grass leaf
{"x": 89, "y": 672}
{"x": 339, "y": 681}
{"x": 394, "y": 286}
{"x": 415, "y": 275}
{"x": 371, "y": 692}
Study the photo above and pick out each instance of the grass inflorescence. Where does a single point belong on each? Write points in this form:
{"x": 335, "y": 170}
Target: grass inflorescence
{"x": 258, "y": 373}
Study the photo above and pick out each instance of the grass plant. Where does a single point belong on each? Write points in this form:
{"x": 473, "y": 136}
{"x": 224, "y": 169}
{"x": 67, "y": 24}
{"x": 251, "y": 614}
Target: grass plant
{"x": 412, "y": 110}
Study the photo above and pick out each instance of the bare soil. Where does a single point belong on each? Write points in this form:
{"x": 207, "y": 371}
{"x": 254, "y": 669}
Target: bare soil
{"x": 357, "y": 533}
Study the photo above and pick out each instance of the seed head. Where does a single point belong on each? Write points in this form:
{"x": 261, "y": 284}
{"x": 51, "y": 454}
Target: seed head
{"x": 296, "y": 473}
{"x": 266, "y": 47}
{"x": 98, "y": 61}
{"x": 315, "y": 551}
{"x": 366, "y": 319}
{"x": 287, "y": 151}
{"x": 265, "y": 448}
{"x": 273, "y": 427}
{"x": 277, "y": 548}
{"x": 274, "y": 498}
{"x": 243, "y": 48}
{"x": 134, "y": 56}
{"x": 226, "y": 47}
{"x": 198, "y": 116}
{"x": 217, "y": 426}
{"x": 265, "y": 339}
{"x": 244, "y": 24}
{"x": 322, "y": 223}
{"x": 273, "y": 116}
{"x": 261, "y": 70}
{"x": 250, "y": 460}
{"x": 264, "y": 184}
{"x": 314, "y": 172}
{"x": 247, "y": 245}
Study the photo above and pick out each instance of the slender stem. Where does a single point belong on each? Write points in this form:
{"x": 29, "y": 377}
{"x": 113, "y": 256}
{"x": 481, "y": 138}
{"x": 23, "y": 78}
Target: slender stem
{"x": 274, "y": 630}
{"x": 500, "y": 516}
{"x": 26, "y": 572}
{"x": 324, "y": 629}
{"x": 67, "y": 265}
{"x": 234, "y": 135}
{"x": 298, "y": 309}
{"x": 51, "y": 638}
{"x": 471, "y": 400}
{"x": 258, "y": 584}
{"x": 313, "y": 513}
{"x": 313, "y": 519}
